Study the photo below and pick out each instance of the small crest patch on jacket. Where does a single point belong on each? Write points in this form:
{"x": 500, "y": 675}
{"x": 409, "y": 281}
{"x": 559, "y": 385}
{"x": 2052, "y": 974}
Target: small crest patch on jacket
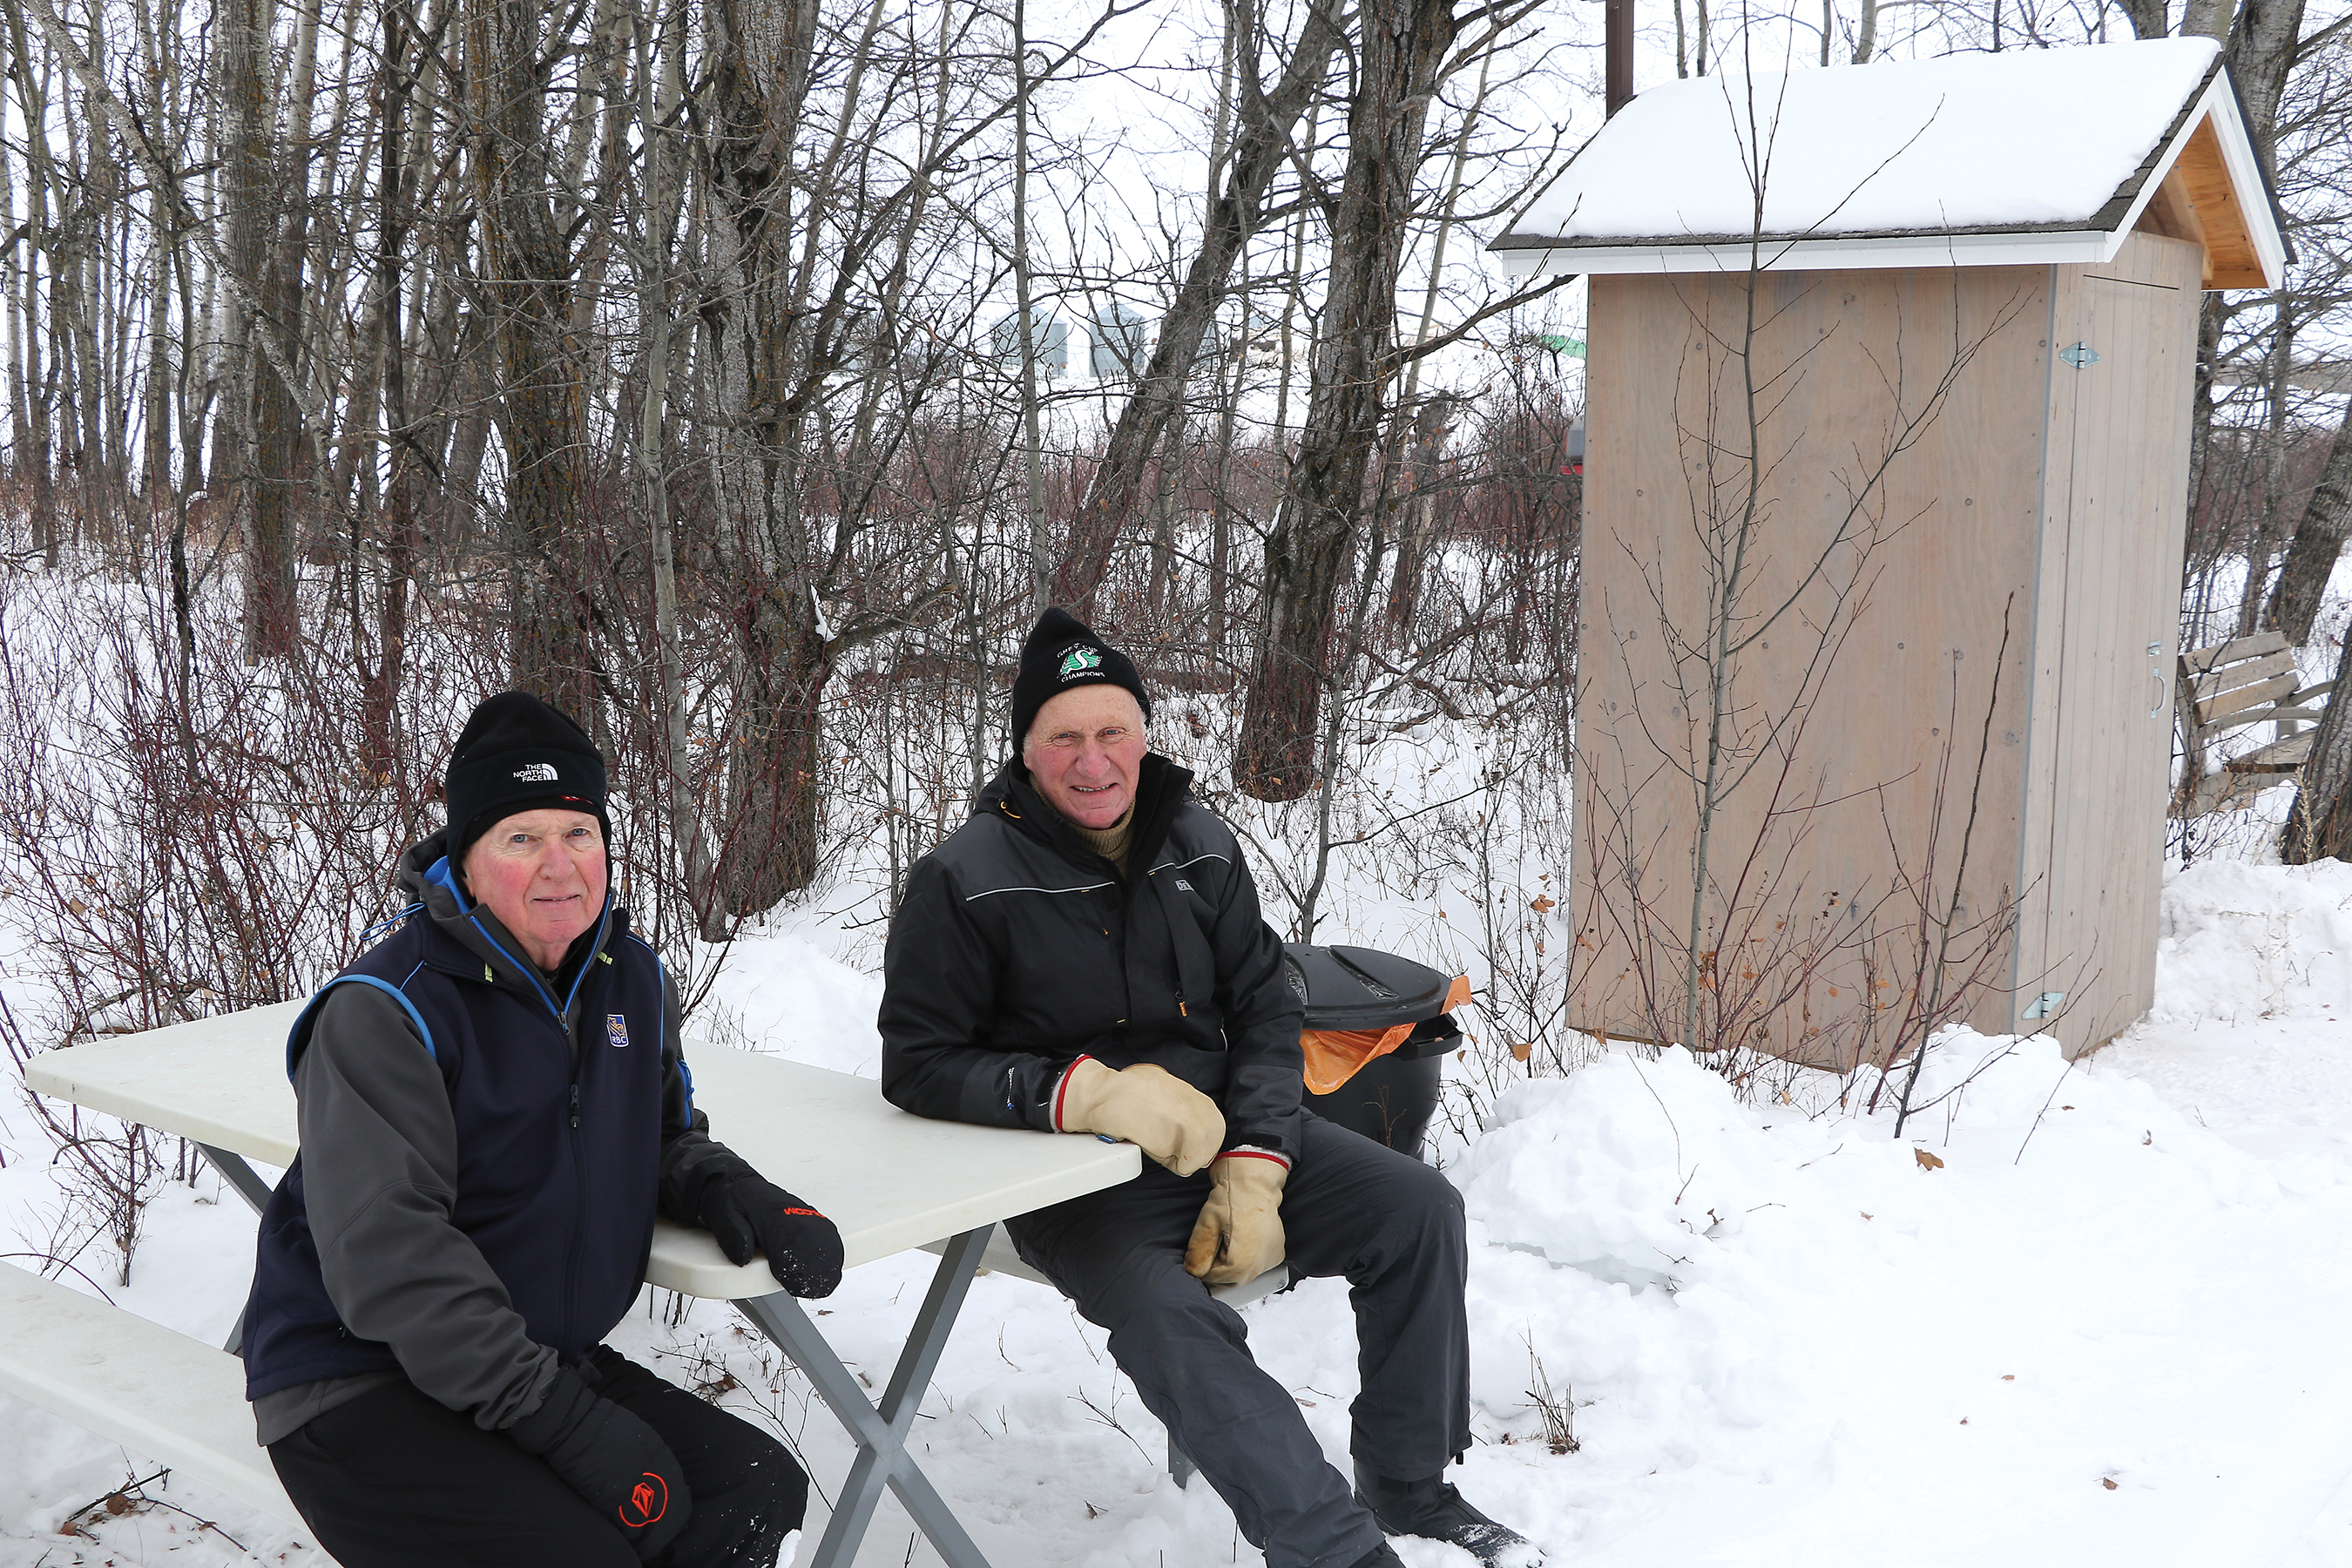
{"x": 616, "y": 1030}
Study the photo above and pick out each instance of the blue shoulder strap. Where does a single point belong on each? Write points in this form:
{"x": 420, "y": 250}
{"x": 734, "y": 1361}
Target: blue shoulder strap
{"x": 302, "y": 1020}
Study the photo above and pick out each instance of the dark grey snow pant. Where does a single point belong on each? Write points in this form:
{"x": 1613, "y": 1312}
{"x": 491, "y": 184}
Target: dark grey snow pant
{"x": 1388, "y": 1222}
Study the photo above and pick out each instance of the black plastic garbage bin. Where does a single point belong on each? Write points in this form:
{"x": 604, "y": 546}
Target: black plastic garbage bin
{"x": 1391, "y": 1097}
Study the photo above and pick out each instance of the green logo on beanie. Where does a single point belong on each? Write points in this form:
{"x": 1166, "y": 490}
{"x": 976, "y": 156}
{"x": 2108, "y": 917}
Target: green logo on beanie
{"x": 1078, "y": 661}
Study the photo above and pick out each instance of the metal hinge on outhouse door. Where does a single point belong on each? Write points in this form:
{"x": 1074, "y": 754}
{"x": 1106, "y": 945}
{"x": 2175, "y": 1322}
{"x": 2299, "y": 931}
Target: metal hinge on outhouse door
{"x": 2082, "y": 356}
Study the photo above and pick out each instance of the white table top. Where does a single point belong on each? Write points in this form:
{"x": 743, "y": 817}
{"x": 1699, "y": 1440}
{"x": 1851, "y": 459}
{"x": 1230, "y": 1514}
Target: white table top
{"x": 889, "y": 1180}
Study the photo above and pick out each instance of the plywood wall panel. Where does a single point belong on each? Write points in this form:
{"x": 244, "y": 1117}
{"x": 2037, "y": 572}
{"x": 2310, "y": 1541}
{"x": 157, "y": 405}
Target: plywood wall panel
{"x": 1837, "y": 835}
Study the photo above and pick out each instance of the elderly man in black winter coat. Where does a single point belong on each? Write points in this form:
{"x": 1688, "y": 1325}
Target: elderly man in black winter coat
{"x": 493, "y": 1107}
{"x": 1085, "y": 955}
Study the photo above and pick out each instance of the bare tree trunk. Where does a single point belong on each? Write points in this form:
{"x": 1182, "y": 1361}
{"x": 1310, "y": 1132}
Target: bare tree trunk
{"x": 1412, "y": 532}
{"x": 1263, "y": 144}
{"x": 257, "y": 427}
{"x": 38, "y": 456}
{"x": 279, "y": 447}
{"x": 1220, "y": 521}
{"x": 528, "y": 279}
{"x": 660, "y": 89}
{"x": 1416, "y": 510}
{"x": 2318, "y": 541}
{"x": 380, "y": 749}
{"x": 761, "y": 60}
{"x": 1403, "y": 46}
{"x": 2319, "y": 823}
{"x": 2259, "y": 40}
{"x": 12, "y": 278}
{"x": 1026, "y": 328}
{"x": 155, "y": 479}
{"x": 101, "y": 187}
{"x": 2267, "y": 521}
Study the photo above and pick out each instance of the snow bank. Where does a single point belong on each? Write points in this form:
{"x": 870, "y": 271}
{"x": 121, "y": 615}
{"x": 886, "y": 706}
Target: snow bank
{"x": 1859, "y": 1347}
{"x": 2087, "y": 1328}
{"x": 2251, "y": 1030}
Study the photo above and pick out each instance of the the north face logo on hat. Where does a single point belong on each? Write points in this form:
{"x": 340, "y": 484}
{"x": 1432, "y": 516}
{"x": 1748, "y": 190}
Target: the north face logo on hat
{"x": 537, "y": 772}
{"x": 1079, "y": 660}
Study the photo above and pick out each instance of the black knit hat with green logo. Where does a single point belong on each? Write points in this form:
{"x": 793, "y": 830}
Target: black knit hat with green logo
{"x": 519, "y": 753}
{"x": 1063, "y": 652}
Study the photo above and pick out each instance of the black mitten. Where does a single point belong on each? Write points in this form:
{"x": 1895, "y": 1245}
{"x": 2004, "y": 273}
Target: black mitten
{"x": 613, "y": 1459}
{"x": 747, "y": 1213}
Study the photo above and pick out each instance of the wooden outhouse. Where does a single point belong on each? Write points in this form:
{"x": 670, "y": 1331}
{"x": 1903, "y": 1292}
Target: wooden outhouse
{"x": 1887, "y": 408}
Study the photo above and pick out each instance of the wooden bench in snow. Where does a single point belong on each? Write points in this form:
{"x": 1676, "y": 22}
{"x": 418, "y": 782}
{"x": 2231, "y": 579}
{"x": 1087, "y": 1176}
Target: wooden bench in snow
{"x": 161, "y": 1394}
{"x": 2250, "y": 680}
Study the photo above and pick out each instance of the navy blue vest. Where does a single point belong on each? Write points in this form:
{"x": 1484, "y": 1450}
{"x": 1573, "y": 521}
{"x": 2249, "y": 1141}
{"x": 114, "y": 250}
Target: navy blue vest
{"x": 561, "y": 1201}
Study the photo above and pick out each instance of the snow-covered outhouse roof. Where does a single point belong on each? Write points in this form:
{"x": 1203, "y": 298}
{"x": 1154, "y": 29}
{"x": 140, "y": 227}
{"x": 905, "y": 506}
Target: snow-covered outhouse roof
{"x": 2028, "y": 156}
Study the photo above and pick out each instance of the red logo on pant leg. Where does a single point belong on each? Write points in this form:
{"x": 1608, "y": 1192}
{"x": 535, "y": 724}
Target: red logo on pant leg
{"x": 649, "y": 1500}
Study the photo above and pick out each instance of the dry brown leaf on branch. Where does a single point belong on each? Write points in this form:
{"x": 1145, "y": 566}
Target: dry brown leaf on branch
{"x": 1542, "y": 905}
{"x": 1521, "y": 1050}
{"x": 1926, "y": 1162}
{"x": 2108, "y": 1482}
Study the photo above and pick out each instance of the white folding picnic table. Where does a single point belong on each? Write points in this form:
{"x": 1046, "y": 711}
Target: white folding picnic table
{"x": 888, "y": 1180}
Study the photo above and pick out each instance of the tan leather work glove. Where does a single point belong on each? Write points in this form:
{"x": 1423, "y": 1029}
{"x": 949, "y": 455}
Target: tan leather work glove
{"x": 1144, "y": 1105}
{"x": 1239, "y": 1235}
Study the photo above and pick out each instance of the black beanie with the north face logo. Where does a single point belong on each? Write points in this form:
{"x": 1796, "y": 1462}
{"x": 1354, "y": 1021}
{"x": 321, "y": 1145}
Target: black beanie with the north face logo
{"x": 519, "y": 753}
{"x": 1062, "y": 652}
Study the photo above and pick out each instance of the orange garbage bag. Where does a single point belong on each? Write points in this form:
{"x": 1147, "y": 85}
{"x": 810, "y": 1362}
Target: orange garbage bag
{"x": 1334, "y": 1056}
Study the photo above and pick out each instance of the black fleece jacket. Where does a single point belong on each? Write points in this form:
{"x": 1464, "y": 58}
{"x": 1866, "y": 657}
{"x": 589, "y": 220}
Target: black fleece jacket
{"x": 1017, "y": 949}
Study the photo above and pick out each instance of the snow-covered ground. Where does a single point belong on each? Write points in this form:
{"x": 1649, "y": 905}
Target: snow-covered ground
{"x": 2100, "y": 1330}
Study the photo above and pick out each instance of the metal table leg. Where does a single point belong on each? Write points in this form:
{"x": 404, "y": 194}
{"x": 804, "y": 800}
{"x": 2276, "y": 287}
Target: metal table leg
{"x": 238, "y": 1174}
{"x": 881, "y": 1433}
{"x": 254, "y": 1191}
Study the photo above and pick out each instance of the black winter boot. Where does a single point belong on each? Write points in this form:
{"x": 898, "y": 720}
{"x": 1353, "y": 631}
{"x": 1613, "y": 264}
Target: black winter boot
{"x": 1435, "y": 1511}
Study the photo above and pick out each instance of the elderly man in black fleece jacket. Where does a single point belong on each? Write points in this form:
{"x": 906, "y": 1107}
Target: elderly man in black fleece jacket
{"x": 1085, "y": 955}
{"x": 493, "y": 1107}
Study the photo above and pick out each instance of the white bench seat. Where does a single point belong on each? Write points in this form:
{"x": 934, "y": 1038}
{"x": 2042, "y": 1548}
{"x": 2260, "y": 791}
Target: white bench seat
{"x": 161, "y": 1394}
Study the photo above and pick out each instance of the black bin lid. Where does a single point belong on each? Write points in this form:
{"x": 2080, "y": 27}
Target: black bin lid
{"x": 1362, "y": 987}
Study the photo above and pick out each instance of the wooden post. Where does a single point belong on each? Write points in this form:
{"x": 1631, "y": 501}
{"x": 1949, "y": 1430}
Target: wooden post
{"x": 1617, "y": 54}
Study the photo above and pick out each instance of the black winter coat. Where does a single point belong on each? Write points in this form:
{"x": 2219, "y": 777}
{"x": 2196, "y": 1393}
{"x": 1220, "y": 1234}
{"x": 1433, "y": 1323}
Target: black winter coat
{"x": 1017, "y": 949}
